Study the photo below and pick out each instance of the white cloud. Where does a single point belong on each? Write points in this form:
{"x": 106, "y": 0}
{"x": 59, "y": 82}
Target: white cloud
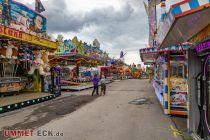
{"x": 117, "y": 24}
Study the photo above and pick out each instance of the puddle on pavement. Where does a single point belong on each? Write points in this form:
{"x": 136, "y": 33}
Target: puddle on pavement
{"x": 141, "y": 101}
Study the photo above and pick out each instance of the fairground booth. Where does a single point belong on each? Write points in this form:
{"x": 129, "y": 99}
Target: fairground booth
{"x": 183, "y": 52}
{"x": 79, "y": 62}
{"x": 26, "y": 77}
{"x": 169, "y": 69}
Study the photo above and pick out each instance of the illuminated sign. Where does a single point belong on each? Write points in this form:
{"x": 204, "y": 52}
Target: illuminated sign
{"x": 203, "y": 46}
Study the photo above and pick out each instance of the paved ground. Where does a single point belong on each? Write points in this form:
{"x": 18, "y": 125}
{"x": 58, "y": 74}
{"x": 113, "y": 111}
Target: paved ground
{"x": 109, "y": 117}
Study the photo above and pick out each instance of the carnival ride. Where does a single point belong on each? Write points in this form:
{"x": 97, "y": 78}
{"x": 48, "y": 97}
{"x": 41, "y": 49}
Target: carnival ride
{"x": 77, "y": 60}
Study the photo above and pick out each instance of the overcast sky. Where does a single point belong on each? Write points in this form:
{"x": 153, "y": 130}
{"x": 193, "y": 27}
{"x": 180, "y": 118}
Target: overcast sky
{"x": 117, "y": 24}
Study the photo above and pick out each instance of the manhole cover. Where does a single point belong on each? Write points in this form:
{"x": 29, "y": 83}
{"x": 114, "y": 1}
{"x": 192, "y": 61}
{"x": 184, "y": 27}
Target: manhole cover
{"x": 139, "y": 101}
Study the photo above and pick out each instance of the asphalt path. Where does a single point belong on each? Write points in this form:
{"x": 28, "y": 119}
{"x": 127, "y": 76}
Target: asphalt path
{"x": 111, "y": 117}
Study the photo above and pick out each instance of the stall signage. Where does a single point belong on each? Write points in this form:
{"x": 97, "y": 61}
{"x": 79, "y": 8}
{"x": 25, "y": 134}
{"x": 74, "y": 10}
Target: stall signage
{"x": 10, "y": 32}
{"x": 44, "y": 42}
{"x": 203, "y": 46}
{"x": 26, "y": 37}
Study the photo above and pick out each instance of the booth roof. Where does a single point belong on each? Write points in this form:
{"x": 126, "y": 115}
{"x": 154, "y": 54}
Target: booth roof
{"x": 185, "y": 19}
{"x": 149, "y": 55}
{"x": 73, "y": 58}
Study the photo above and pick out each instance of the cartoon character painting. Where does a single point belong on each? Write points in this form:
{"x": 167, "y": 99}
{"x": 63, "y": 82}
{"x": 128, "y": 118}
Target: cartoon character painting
{"x": 6, "y": 12}
{"x": 22, "y": 18}
{"x": 22, "y": 22}
{"x": 37, "y": 24}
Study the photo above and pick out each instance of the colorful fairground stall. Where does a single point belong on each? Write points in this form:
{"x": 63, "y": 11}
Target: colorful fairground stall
{"x": 26, "y": 77}
{"x": 171, "y": 66}
{"x": 170, "y": 77}
{"x": 186, "y": 26}
{"x": 79, "y": 62}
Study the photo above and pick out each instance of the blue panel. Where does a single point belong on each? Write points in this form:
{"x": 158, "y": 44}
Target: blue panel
{"x": 193, "y": 4}
{"x": 176, "y": 10}
{"x": 166, "y": 104}
{"x": 166, "y": 89}
{"x": 169, "y": 17}
{"x": 166, "y": 74}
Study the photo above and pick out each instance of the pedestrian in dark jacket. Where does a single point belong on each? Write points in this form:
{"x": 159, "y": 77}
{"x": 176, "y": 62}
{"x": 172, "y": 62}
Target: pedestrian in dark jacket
{"x": 95, "y": 81}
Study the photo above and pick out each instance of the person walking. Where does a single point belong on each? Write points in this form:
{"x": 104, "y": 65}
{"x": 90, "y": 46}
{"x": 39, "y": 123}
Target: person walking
{"x": 103, "y": 85}
{"x": 95, "y": 81}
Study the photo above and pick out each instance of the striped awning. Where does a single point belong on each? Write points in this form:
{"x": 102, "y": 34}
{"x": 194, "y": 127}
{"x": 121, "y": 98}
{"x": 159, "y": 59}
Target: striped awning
{"x": 149, "y": 55}
{"x": 147, "y": 50}
{"x": 184, "y": 20}
{"x": 174, "y": 48}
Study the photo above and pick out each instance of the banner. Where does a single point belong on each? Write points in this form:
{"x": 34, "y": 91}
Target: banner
{"x": 152, "y": 25}
{"x": 153, "y": 3}
{"x": 146, "y": 8}
{"x": 39, "y": 7}
{"x": 22, "y": 18}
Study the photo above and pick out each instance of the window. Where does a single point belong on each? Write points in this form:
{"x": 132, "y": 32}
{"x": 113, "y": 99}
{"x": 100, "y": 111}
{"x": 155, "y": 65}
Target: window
{"x": 178, "y": 75}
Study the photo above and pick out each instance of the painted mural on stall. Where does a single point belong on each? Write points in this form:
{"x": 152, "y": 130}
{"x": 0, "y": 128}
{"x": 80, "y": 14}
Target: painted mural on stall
{"x": 22, "y": 18}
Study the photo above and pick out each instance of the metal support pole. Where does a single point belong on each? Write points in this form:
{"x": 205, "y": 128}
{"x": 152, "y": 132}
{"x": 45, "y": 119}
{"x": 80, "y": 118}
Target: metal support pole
{"x": 169, "y": 83}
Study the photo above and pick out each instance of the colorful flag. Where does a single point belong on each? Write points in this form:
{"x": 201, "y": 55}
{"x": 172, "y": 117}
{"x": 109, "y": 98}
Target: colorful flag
{"x": 146, "y": 8}
{"x": 153, "y": 3}
{"x": 152, "y": 25}
{"x": 39, "y": 7}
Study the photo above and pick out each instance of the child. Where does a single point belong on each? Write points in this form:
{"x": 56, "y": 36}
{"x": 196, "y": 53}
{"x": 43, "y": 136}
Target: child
{"x": 103, "y": 85}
